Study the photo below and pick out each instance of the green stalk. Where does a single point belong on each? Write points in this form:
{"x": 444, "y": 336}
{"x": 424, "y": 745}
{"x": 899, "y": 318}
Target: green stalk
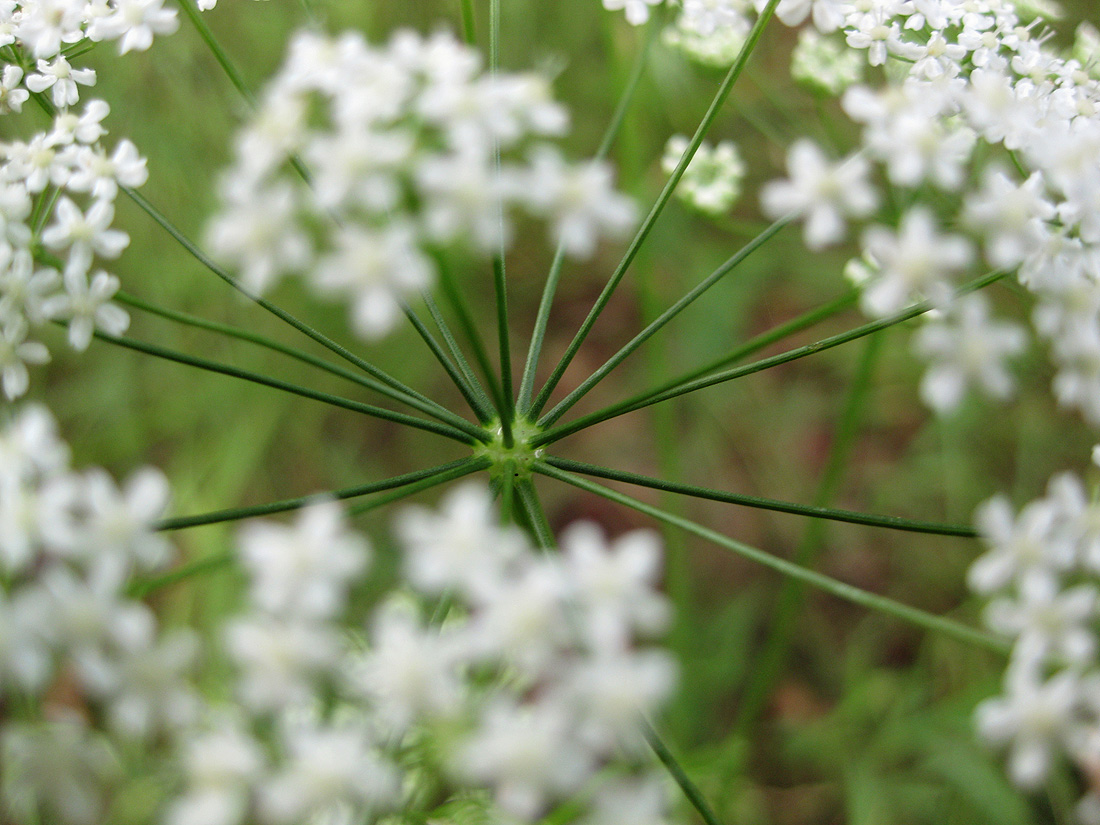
{"x": 304, "y": 357}
{"x": 279, "y": 313}
{"x": 542, "y": 320}
{"x": 872, "y": 601}
{"x": 452, "y": 372}
{"x": 769, "y": 664}
{"x": 691, "y": 791}
{"x": 472, "y": 465}
{"x": 482, "y": 405}
{"x": 658, "y": 207}
{"x": 532, "y": 506}
{"x": 638, "y": 402}
{"x": 469, "y": 30}
{"x": 651, "y": 329}
{"x": 436, "y": 427}
{"x": 812, "y": 511}
{"x": 238, "y": 513}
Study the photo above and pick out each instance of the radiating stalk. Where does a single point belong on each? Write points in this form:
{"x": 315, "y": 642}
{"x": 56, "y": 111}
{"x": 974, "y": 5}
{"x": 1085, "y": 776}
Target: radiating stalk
{"x": 676, "y": 771}
{"x": 872, "y": 601}
{"x": 305, "y": 357}
{"x": 536, "y": 516}
{"x": 471, "y": 435}
{"x": 812, "y": 511}
{"x": 483, "y": 406}
{"x": 648, "y": 399}
{"x": 653, "y": 327}
{"x": 658, "y": 207}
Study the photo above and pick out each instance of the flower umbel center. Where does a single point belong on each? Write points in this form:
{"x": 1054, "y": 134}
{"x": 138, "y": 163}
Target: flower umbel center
{"x": 516, "y": 459}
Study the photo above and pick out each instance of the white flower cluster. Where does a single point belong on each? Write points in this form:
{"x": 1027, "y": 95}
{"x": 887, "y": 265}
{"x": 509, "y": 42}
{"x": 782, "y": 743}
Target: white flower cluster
{"x": 401, "y": 142}
{"x": 526, "y": 683}
{"x": 57, "y": 194}
{"x": 69, "y": 544}
{"x": 710, "y": 32}
{"x": 45, "y": 29}
{"x": 961, "y": 75}
{"x": 712, "y": 181}
{"x": 1042, "y": 577}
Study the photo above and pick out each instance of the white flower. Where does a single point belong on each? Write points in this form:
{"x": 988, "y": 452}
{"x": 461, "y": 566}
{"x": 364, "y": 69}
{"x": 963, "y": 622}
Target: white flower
{"x": 824, "y": 193}
{"x": 1021, "y": 546}
{"x": 917, "y": 262}
{"x": 86, "y": 306}
{"x": 712, "y": 181}
{"x": 1011, "y": 216}
{"x": 134, "y": 22}
{"x": 100, "y": 175}
{"x": 966, "y": 347}
{"x": 85, "y": 234}
{"x": 63, "y": 78}
{"x": 15, "y": 353}
{"x": 12, "y": 97}
{"x": 637, "y": 11}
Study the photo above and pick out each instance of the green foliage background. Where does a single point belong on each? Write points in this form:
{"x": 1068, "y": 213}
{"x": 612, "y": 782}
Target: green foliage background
{"x": 867, "y": 720}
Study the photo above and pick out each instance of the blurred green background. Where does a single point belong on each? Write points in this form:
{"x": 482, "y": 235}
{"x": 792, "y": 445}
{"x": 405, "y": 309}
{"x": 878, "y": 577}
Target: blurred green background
{"x": 867, "y": 720}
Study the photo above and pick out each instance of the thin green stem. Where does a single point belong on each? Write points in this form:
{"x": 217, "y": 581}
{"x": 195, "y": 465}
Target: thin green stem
{"x": 507, "y": 496}
{"x": 658, "y": 207}
{"x": 768, "y": 664}
{"x": 507, "y": 406}
{"x": 407, "y": 485}
{"x": 251, "y": 337}
{"x": 238, "y": 513}
{"x": 872, "y": 601}
{"x": 278, "y": 312}
{"x": 691, "y": 791}
{"x": 659, "y": 322}
{"x": 473, "y": 335}
{"x": 638, "y": 402}
{"x": 812, "y": 511}
{"x": 542, "y": 320}
{"x": 532, "y": 506}
{"x": 469, "y": 30}
{"x": 436, "y": 427}
{"x": 481, "y": 403}
{"x": 452, "y": 372}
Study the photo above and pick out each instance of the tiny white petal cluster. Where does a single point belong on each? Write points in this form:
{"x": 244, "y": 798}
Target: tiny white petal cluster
{"x": 712, "y": 181}
{"x": 403, "y": 163}
{"x": 1040, "y": 575}
{"x": 637, "y": 11}
{"x": 710, "y": 32}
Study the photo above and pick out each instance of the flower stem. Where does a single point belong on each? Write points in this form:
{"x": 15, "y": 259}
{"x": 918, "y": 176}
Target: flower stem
{"x": 840, "y": 589}
{"x": 676, "y": 771}
{"x": 483, "y": 405}
{"x": 470, "y": 434}
{"x": 658, "y": 207}
{"x": 638, "y": 402}
{"x": 652, "y": 328}
{"x": 532, "y": 506}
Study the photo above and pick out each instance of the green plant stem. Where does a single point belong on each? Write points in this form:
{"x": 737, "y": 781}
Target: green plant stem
{"x": 469, "y": 30}
{"x": 653, "y": 327}
{"x": 658, "y": 207}
{"x": 238, "y": 513}
{"x": 542, "y": 319}
{"x": 507, "y": 496}
{"x": 436, "y": 427}
{"x": 769, "y": 663}
{"x": 406, "y": 485}
{"x": 452, "y": 372}
{"x": 251, "y": 337}
{"x": 648, "y": 399}
{"x": 470, "y": 330}
{"x": 192, "y": 13}
{"x": 481, "y": 403}
{"x": 507, "y": 406}
{"x": 812, "y": 511}
{"x": 532, "y": 506}
{"x": 278, "y": 312}
{"x": 872, "y": 601}
{"x": 676, "y": 771}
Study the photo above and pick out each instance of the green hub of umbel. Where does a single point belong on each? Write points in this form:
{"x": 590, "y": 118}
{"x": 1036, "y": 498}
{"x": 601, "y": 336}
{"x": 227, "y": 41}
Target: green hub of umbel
{"x": 517, "y": 459}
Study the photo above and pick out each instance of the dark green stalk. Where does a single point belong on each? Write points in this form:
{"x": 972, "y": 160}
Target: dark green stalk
{"x": 436, "y": 427}
{"x": 769, "y": 663}
{"x": 532, "y": 506}
{"x": 542, "y": 320}
{"x": 469, "y": 30}
{"x": 652, "y": 328}
{"x": 452, "y": 372}
{"x": 658, "y": 207}
{"x": 304, "y": 357}
{"x": 691, "y": 791}
{"x": 812, "y": 511}
{"x": 279, "y": 313}
{"x": 238, "y": 513}
{"x": 470, "y": 330}
{"x": 840, "y": 589}
{"x": 638, "y": 402}
{"x": 481, "y": 403}
{"x": 507, "y": 495}
{"x": 472, "y": 465}
{"x": 507, "y": 406}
